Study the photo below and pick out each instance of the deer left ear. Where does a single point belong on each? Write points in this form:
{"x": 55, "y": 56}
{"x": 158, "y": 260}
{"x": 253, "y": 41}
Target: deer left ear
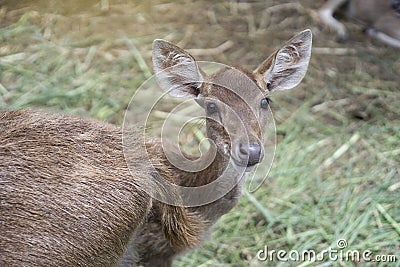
{"x": 286, "y": 68}
{"x": 176, "y": 70}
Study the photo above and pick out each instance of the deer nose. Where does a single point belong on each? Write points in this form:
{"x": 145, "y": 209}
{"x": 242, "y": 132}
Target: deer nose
{"x": 251, "y": 153}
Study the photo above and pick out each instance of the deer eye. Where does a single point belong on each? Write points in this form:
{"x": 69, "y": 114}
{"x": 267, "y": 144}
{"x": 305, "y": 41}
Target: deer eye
{"x": 211, "y": 107}
{"x": 265, "y": 102}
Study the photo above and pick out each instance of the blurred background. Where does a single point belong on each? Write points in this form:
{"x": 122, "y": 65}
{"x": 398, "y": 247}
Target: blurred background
{"x": 336, "y": 173}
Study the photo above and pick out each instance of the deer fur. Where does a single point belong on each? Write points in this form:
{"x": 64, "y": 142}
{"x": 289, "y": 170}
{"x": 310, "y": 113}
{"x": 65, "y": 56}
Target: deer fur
{"x": 67, "y": 197}
{"x": 381, "y": 17}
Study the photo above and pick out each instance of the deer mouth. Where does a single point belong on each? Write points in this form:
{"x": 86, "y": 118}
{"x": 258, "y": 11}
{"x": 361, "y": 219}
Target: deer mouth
{"x": 242, "y": 165}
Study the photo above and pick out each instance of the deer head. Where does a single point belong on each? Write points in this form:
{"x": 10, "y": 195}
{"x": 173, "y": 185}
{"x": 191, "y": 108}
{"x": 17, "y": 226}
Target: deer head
{"x": 235, "y": 100}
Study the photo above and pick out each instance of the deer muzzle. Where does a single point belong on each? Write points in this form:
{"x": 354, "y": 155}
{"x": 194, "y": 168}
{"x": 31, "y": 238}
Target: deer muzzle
{"x": 250, "y": 153}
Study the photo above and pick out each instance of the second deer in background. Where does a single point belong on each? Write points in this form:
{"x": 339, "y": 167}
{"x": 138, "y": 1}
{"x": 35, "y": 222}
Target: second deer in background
{"x": 381, "y": 17}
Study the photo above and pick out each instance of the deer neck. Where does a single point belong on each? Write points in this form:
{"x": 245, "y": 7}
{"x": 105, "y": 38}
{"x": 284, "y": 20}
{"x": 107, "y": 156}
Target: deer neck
{"x": 228, "y": 184}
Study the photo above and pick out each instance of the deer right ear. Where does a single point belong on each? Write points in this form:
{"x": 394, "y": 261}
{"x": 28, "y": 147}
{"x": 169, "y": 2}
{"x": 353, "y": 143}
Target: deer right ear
{"x": 176, "y": 70}
{"x": 286, "y": 68}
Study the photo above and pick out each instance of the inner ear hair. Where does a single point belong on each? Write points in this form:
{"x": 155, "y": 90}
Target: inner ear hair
{"x": 286, "y": 67}
{"x": 176, "y": 70}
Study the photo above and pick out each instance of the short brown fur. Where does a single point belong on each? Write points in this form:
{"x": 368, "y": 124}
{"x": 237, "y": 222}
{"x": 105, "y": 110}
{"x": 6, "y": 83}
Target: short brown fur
{"x": 67, "y": 196}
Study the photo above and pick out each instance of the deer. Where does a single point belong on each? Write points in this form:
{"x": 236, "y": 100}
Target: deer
{"x": 70, "y": 196}
{"x": 382, "y": 18}
{"x": 230, "y": 97}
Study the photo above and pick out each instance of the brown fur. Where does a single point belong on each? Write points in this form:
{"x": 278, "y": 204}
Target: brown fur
{"x": 67, "y": 197}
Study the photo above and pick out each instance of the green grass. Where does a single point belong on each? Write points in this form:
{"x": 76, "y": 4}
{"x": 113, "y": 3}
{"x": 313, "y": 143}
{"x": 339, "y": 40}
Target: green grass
{"x": 336, "y": 172}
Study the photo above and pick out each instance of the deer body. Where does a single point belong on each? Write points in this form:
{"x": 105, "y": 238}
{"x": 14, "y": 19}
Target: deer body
{"x": 381, "y": 17}
{"x": 50, "y": 188}
{"x": 67, "y": 197}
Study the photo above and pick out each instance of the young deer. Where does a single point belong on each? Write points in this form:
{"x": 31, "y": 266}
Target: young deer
{"x": 381, "y": 17}
{"x": 70, "y": 197}
{"x": 236, "y": 105}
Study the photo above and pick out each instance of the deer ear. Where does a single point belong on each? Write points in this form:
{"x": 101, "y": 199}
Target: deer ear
{"x": 176, "y": 70}
{"x": 286, "y": 68}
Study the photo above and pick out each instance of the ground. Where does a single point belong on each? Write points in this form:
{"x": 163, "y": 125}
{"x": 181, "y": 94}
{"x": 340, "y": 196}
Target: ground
{"x": 336, "y": 171}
